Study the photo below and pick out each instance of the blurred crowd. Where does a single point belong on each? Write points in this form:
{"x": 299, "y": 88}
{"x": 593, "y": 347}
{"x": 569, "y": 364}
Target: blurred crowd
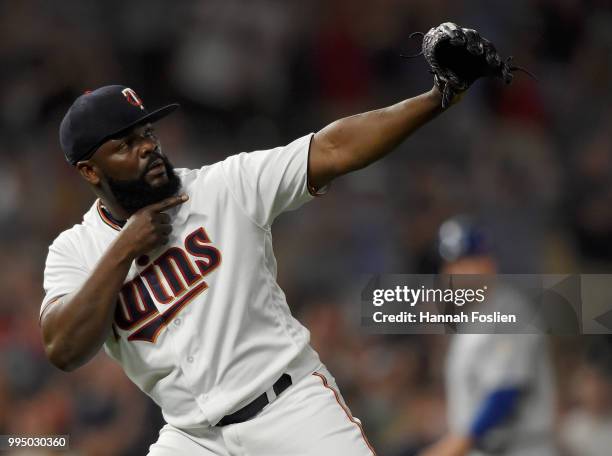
{"x": 533, "y": 160}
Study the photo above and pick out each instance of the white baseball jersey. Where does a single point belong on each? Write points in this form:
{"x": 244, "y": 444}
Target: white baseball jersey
{"x": 201, "y": 325}
{"x": 478, "y": 364}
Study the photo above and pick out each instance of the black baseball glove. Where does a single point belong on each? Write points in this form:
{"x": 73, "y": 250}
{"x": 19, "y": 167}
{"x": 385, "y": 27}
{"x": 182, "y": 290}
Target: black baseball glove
{"x": 458, "y": 56}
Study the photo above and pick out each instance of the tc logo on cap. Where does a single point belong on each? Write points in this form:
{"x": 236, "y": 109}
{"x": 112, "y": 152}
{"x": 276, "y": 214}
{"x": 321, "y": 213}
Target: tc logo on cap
{"x": 132, "y": 98}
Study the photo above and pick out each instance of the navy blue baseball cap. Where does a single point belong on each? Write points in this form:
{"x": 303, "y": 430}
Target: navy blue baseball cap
{"x": 100, "y": 115}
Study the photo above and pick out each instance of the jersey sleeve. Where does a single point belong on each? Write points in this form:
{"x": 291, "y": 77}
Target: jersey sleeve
{"x": 268, "y": 182}
{"x": 64, "y": 271}
{"x": 489, "y": 364}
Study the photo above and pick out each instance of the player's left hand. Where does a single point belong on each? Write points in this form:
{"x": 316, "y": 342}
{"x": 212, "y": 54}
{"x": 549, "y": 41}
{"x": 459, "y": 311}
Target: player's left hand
{"x": 458, "y": 56}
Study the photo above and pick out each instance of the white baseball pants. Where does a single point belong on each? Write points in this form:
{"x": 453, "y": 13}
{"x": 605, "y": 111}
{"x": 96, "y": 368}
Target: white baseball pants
{"x": 310, "y": 418}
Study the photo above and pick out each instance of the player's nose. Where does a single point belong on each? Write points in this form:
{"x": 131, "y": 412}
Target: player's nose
{"x": 145, "y": 147}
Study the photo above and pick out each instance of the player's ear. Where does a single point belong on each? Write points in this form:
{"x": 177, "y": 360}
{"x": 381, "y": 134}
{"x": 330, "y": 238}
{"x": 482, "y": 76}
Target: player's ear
{"x": 89, "y": 171}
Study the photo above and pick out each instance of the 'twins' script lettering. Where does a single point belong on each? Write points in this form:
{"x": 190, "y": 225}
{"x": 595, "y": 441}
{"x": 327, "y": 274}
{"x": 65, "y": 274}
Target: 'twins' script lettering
{"x": 175, "y": 278}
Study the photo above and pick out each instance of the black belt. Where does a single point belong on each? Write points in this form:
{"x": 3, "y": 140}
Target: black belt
{"x": 253, "y": 408}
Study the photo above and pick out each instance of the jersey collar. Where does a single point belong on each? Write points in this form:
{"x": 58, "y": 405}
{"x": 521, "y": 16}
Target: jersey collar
{"x": 107, "y": 218}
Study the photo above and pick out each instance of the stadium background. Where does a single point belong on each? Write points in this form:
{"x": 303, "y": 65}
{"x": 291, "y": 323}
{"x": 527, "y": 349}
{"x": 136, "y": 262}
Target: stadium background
{"x": 533, "y": 160}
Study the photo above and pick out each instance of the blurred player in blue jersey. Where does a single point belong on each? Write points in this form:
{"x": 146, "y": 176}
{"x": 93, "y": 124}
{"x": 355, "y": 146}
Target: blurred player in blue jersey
{"x": 499, "y": 387}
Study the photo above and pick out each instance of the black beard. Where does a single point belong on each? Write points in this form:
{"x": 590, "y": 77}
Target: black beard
{"x": 133, "y": 195}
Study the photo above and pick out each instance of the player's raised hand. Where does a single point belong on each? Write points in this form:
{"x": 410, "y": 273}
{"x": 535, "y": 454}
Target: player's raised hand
{"x": 149, "y": 227}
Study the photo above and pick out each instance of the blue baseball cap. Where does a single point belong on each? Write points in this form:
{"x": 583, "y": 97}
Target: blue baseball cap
{"x": 100, "y": 115}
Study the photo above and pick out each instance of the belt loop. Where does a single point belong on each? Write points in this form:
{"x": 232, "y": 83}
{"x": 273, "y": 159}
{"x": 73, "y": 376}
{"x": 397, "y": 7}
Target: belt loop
{"x": 271, "y": 395}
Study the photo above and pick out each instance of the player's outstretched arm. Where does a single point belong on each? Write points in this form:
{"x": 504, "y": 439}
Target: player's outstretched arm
{"x": 354, "y": 142}
{"x": 456, "y": 56}
{"x": 75, "y": 326}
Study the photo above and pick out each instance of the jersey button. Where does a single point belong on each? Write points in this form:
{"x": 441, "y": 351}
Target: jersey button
{"x": 190, "y": 359}
{"x": 177, "y": 322}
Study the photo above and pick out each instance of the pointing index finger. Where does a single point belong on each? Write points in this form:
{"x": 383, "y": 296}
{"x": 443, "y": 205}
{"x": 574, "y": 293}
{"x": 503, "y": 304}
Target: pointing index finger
{"x": 169, "y": 202}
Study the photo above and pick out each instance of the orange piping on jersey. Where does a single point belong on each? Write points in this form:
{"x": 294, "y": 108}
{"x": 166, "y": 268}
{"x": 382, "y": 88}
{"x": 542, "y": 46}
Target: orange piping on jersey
{"x": 105, "y": 218}
{"x": 346, "y": 410}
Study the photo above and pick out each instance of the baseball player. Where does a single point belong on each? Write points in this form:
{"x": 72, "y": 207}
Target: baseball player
{"x": 499, "y": 387}
{"x": 172, "y": 271}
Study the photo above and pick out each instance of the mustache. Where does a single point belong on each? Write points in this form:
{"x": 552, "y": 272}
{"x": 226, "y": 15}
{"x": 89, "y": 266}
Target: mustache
{"x": 155, "y": 157}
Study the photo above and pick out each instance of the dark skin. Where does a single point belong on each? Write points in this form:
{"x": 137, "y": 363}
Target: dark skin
{"x": 76, "y": 325}
{"x": 124, "y": 158}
